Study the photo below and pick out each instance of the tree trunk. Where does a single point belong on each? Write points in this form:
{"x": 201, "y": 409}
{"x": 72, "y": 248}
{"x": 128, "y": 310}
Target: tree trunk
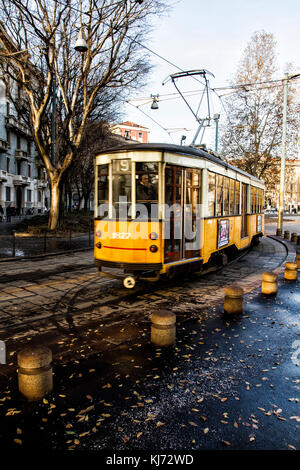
{"x": 55, "y": 204}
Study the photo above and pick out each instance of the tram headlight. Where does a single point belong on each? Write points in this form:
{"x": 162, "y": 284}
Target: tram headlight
{"x": 153, "y": 248}
{"x": 153, "y": 236}
{"x": 98, "y": 234}
{"x": 98, "y": 245}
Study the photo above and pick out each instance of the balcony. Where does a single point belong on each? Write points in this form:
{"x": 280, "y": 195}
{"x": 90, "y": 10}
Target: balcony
{"x": 20, "y": 180}
{"x": 3, "y": 176}
{"x": 21, "y": 155}
{"x": 42, "y": 184}
{"x": 3, "y": 145}
{"x": 17, "y": 126}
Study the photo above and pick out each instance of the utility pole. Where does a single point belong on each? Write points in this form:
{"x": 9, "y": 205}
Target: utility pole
{"x": 287, "y": 77}
{"x": 283, "y": 156}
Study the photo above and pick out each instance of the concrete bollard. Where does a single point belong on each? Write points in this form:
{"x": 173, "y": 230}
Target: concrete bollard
{"x": 163, "y": 328}
{"x": 294, "y": 237}
{"x": 291, "y": 272}
{"x": 298, "y": 240}
{"x": 286, "y": 235}
{"x": 269, "y": 283}
{"x": 35, "y": 372}
{"x": 298, "y": 261}
{"x": 233, "y": 300}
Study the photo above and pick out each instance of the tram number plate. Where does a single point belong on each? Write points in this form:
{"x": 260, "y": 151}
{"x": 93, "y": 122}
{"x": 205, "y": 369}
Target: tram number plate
{"x": 121, "y": 235}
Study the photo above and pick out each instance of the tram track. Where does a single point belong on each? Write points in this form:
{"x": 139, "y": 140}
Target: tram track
{"x": 109, "y": 292}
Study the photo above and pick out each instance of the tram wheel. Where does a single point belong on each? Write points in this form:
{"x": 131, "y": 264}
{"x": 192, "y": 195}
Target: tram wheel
{"x": 129, "y": 282}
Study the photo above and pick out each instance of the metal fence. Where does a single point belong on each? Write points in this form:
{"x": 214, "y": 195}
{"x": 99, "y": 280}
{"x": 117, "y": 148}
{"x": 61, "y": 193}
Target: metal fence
{"x": 15, "y": 245}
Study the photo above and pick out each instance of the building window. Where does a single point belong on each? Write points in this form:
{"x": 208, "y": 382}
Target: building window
{"x": 28, "y": 195}
{"x": 7, "y": 108}
{"x": 8, "y": 164}
{"x": 39, "y": 196}
{"x": 29, "y": 171}
{"x": 7, "y": 194}
{"x": 127, "y": 135}
{"x": 18, "y": 142}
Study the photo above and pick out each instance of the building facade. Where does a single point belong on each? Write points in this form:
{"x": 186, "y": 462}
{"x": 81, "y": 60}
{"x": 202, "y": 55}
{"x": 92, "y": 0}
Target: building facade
{"x": 291, "y": 191}
{"x": 23, "y": 182}
{"x": 131, "y": 131}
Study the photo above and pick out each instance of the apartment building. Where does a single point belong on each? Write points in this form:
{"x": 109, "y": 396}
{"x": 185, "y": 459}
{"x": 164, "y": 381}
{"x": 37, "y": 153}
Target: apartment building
{"x": 23, "y": 182}
{"x": 131, "y": 131}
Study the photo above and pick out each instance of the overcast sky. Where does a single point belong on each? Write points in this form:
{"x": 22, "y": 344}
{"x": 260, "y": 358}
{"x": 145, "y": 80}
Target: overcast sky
{"x": 212, "y": 36}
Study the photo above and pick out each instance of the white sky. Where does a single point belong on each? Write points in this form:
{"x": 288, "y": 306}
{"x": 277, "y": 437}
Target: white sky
{"x": 210, "y": 35}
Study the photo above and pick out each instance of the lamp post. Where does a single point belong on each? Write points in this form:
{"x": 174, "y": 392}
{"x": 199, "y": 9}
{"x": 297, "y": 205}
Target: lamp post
{"x": 286, "y": 78}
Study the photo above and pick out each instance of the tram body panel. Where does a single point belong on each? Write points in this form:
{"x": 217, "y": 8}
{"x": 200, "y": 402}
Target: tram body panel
{"x": 128, "y": 241}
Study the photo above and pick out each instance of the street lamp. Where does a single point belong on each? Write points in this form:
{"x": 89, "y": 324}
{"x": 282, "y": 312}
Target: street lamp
{"x": 80, "y": 46}
{"x": 154, "y": 104}
{"x": 286, "y": 78}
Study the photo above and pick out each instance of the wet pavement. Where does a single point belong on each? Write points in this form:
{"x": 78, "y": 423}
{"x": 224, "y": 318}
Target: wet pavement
{"x": 229, "y": 383}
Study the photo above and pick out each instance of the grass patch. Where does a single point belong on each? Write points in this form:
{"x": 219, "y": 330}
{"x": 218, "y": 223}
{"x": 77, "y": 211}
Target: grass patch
{"x": 74, "y": 221}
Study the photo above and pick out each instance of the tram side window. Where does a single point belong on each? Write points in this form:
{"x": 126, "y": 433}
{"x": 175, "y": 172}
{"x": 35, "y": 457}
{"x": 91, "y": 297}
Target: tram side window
{"x": 102, "y": 183}
{"x": 219, "y": 202}
{"x": 226, "y": 196}
{"x": 147, "y": 188}
{"x": 121, "y": 186}
{"x": 237, "y": 198}
{"x": 256, "y": 200}
{"x": 231, "y": 197}
{"x": 102, "y": 186}
{"x": 211, "y": 194}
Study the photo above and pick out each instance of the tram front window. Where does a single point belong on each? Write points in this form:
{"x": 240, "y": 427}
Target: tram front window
{"x": 121, "y": 187}
{"x": 146, "y": 190}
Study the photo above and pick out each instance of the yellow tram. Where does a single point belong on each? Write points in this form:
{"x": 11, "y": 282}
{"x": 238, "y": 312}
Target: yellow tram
{"x": 161, "y": 209}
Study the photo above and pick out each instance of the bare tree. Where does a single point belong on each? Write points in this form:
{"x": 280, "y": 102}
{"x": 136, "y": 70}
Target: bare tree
{"x": 80, "y": 175}
{"x": 37, "y": 51}
{"x": 253, "y": 132}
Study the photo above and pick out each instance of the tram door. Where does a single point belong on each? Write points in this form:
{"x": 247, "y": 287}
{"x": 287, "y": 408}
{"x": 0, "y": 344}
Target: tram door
{"x": 191, "y": 213}
{"x": 173, "y": 213}
{"x": 182, "y": 213}
{"x": 244, "y": 211}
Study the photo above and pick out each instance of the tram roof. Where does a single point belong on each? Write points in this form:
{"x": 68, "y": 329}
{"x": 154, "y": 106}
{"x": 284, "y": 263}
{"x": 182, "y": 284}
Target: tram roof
{"x": 184, "y": 150}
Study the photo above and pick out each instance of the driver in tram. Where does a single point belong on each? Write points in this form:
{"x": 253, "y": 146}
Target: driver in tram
{"x": 145, "y": 191}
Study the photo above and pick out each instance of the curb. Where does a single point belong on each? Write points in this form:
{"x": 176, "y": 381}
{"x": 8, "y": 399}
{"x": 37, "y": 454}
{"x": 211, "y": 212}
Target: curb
{"x": 43, "y": 255}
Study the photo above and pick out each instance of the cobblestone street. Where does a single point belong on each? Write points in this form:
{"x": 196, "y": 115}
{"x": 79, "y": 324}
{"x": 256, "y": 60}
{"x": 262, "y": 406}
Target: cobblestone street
{"x": 57, "y": 296}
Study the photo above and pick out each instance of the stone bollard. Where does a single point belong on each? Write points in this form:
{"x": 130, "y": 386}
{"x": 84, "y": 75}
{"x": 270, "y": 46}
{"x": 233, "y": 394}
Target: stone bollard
{"x": 298, "y": 240}
{"x": 163, "y": 328}
{"x": 35, "y": 372}
{"x": 298, "y": 261}
{"x": 286, "y": 235}
{"x": 291, "y": 272}
{"x": 279, "y": 232}
{"x": 269, "y": 283}
{"x": 294, "y": 237}
{"x": 233, "y": 300}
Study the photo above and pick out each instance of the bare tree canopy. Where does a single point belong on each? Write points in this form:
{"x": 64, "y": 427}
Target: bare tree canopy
{"x": 253, "y": 132}
{"x": 37, "y": 40}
